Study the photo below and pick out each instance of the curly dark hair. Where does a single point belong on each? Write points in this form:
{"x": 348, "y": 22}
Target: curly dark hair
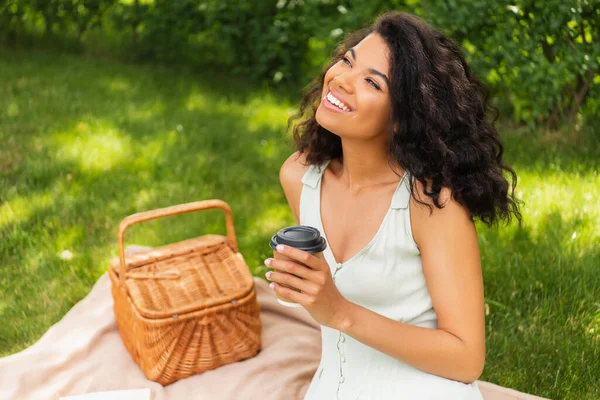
{"x": 439, "y": 108}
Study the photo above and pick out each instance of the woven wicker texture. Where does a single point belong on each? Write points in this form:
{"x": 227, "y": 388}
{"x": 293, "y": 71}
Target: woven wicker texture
{"x": 187, "y": 307}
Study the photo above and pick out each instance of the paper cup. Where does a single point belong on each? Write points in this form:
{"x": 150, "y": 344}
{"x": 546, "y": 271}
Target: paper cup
{"x": 301, "y": 237}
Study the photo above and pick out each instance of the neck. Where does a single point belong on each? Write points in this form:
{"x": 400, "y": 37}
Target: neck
{"x": 365, "y": 164}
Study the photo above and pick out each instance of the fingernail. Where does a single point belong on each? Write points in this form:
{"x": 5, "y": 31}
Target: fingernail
{"x": 272, "y": 285}
{"x": 279, "y": 247}
{"x": 268, "y": 261}
{"x": 268, "y": 275}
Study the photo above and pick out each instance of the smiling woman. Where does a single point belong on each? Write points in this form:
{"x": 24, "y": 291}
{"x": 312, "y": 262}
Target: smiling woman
{"x": 394, "y": 163}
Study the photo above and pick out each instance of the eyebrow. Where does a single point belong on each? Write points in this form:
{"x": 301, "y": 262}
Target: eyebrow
{"x": 371, "y": 70}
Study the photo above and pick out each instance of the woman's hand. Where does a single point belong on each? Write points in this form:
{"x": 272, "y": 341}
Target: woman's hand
{"x": 317, "y": 291}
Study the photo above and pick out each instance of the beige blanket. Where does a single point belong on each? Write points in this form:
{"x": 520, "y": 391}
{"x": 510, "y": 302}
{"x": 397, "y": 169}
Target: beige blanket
{"x": 83, "y": 353}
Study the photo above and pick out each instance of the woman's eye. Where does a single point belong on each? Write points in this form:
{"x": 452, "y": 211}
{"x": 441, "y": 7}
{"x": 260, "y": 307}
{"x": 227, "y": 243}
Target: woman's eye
{"x": 371, "y": 82}
{"x": 376, "y": 86}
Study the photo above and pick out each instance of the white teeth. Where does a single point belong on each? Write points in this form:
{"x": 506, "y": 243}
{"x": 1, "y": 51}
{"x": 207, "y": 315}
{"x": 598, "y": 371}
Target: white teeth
{"x": 337, "y": 102}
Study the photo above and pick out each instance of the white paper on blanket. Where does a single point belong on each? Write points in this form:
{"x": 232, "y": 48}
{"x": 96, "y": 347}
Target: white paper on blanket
{"x": 132, "y": 394}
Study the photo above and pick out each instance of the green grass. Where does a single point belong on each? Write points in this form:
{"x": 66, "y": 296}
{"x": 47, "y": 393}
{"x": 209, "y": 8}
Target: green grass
{"x": 86, "y": 142}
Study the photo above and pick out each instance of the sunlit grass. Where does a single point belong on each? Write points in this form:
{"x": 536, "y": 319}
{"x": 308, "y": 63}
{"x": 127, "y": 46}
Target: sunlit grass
{"x": 575, "y": 196}
{"x": 86, "y": 143}
{"x": 95, "y": 146}
{"x": 196, "y": 101}
{"x": 21, "y": 208}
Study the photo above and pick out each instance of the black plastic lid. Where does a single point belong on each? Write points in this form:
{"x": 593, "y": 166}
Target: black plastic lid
{"x": 302, "y": 237}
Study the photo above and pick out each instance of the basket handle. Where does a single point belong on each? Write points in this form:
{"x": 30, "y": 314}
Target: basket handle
{"x": 166, "y": 212}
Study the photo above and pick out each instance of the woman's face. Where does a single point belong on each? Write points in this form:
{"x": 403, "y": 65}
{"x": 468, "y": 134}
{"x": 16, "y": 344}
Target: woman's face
{"x": 360, "y": 81}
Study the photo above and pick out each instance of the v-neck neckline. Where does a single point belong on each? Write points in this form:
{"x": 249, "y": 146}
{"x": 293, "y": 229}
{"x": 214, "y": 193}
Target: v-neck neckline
{"x": 377, "y": 234}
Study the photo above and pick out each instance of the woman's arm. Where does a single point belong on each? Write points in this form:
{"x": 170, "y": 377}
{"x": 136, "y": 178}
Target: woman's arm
{"x": 290, "y": 177}
{"x": 449, "y": 249}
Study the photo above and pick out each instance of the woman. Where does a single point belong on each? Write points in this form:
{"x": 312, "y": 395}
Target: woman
{"x": 393, "y": 167}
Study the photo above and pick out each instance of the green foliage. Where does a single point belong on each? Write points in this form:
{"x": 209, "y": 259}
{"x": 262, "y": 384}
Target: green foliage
{"x": 540, "y": 59}
{"x": 62, "y": 17}
{"x": 266, "y": 39}
{"x": 164, "y": 28}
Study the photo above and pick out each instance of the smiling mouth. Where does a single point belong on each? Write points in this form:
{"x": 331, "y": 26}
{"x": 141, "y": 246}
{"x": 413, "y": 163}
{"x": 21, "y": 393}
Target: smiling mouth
{"x": 333, "y": 101}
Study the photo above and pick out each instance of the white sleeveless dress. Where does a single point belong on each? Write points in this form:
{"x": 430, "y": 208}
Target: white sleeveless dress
{"x": 386, "y": 277}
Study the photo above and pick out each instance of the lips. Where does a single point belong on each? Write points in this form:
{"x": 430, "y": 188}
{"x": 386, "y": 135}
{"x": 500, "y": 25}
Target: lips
{"x": 341, "y": 98}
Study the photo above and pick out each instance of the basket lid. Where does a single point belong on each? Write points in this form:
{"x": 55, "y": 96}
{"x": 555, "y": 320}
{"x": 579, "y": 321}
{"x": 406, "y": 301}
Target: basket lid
{"x": 186, "y": 276}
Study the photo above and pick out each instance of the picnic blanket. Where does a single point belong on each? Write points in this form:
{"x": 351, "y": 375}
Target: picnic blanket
{"x": 83, "y": 353}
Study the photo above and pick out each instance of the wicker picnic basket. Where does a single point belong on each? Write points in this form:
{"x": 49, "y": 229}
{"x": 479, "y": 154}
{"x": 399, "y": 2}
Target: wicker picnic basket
{"x": 187, "y": 307}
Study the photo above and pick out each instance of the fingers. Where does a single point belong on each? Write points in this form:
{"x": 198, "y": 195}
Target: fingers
{"x": 303, "y": 285}
{"x": 301, "y": 256}
{"x": 293, "y": 295}
{"x": 292, "y": 267}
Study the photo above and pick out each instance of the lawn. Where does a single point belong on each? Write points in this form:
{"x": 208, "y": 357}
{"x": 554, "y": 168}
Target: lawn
{"x": 86, "y": 142}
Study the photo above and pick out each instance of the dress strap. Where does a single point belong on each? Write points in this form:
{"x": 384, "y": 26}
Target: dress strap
{"x": 313, "y": 174}
{"x": 401, "y": 198}
{"x": 402, "y": 194}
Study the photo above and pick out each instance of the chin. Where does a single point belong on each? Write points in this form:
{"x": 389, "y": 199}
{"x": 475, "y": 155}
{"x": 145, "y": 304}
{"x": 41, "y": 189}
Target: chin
{"x": 324, "y": 123}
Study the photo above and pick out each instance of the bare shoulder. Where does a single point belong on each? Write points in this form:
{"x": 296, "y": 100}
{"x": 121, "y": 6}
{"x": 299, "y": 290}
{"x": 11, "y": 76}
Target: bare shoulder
{"x": 444, "y": 199}
{"x": 450, "y": 217}
{"x": 293, "y": 168}
{"x": 290, "y": 176}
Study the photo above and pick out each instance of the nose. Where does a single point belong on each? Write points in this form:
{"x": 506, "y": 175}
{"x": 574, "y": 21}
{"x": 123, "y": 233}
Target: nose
{"x": 343, "y": 83}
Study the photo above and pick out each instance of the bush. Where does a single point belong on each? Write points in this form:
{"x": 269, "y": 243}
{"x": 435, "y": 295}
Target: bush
{"x": 540, "y": 59}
